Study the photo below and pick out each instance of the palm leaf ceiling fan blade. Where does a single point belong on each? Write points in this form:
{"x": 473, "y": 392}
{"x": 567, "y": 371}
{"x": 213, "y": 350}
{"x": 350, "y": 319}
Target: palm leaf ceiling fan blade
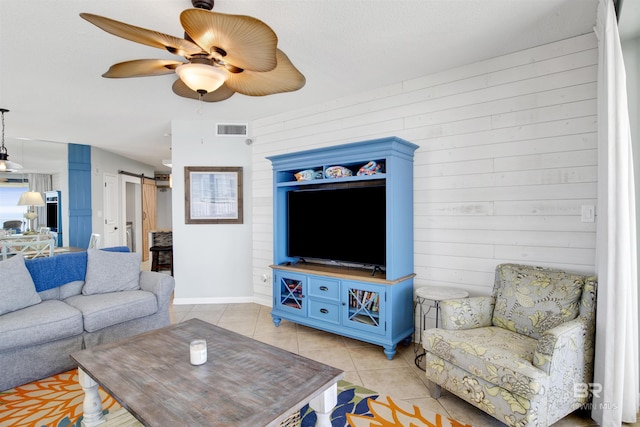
{"x": 181, "y": 89}
{"x": 142, "y": 68}
{"x": 151, "y": 38}
{"x": 242, "y": 45}
{"x": 284, "y": 78}
{"x": 242, "y": 41}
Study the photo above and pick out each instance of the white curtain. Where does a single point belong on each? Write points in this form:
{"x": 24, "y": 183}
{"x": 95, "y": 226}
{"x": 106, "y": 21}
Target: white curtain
{"x": 41, "y": 183}
{"x": 616, "y": 358}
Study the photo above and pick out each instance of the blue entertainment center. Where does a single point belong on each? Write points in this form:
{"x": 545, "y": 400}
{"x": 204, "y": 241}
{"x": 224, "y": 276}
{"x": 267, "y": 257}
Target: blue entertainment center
{"x": 368, "y": 302}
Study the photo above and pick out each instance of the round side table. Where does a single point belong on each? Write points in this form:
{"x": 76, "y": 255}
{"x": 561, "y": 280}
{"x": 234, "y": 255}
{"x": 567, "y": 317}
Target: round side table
{"x": 435, "y": 294}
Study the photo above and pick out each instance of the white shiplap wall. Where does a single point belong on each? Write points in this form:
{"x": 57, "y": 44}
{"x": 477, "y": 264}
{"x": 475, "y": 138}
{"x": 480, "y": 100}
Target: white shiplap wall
{"x": 507, "y": 158}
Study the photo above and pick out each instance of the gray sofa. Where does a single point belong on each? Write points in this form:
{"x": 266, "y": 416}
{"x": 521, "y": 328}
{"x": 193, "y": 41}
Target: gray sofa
{"x": 77, "y": 300}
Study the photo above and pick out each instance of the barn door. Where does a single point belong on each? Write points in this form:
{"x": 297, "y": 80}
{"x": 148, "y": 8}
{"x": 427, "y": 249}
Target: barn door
{"x": 149, "y": 213}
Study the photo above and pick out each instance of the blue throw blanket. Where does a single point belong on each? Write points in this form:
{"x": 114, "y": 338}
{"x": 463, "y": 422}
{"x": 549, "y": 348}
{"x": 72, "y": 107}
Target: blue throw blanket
{"x": 51, "y": 272}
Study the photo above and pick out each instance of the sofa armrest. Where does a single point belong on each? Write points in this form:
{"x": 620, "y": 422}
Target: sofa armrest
{"x": 160, "y": 284}
{"x": 467, "y": 313}
{"x": 560, "y": 347}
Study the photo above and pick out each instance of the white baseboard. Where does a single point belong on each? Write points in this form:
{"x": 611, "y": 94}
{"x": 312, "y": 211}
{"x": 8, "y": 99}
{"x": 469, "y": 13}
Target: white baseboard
{"x": 223, "y": 300}
{"x": 263, "y": 300}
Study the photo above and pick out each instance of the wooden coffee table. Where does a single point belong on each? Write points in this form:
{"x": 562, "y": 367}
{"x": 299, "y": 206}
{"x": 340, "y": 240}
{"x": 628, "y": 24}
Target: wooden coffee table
{"x": 243, "y": 383}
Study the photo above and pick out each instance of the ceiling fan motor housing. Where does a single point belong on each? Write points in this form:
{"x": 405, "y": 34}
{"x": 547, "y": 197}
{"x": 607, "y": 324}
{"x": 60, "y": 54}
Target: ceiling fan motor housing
{"x": 202, "y": 4}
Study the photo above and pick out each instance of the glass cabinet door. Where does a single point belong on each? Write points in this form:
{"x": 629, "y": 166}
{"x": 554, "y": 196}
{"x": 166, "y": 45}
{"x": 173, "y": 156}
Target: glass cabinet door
{"x": 364, "y": 306}
{"x": 292, "y": 292}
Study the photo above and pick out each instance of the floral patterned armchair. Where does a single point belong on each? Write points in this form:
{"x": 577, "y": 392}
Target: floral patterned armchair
{"x": 522, "y": 354}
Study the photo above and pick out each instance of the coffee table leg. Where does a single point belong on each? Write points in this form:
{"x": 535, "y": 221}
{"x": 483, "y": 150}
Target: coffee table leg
{"x": 92, "y": 405}
{"x": 323, "y": 404}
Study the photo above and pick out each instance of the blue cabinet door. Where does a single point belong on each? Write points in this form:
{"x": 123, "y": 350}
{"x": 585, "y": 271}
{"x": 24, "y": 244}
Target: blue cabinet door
{"x": 364, "y": 306}
{"x": 290, "y": 293}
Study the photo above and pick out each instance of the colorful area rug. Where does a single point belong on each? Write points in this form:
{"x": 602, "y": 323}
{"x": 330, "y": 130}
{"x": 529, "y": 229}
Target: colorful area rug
{"x": 57, "y": 402}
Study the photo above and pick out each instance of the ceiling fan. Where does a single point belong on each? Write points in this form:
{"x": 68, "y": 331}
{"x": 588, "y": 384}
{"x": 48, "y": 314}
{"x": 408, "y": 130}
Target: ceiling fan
{"x": 225, "y": 54}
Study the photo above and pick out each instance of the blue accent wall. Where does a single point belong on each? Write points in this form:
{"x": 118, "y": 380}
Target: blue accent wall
{"x": 80, "y": 224}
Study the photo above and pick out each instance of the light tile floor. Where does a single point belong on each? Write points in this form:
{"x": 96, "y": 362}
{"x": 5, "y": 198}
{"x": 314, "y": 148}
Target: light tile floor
{"x": 363, "y": 363}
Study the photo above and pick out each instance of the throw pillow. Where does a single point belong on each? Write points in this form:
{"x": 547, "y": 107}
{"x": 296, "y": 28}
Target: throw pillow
{"x": 111, "y": 272}
{"x": 16, "y": 286}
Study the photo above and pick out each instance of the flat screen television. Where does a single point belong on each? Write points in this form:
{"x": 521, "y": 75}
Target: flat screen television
{"x": 339, "y": 224}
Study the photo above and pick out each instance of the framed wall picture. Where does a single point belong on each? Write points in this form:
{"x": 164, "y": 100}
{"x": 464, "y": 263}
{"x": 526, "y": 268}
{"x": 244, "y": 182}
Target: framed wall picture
{"x": 213, "y": 195}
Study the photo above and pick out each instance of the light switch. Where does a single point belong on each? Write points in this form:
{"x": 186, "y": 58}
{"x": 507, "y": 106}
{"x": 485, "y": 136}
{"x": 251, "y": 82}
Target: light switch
{"x": 588, "y": 213}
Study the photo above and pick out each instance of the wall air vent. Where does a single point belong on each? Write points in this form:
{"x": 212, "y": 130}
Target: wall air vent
{"x": 232, "y": 129}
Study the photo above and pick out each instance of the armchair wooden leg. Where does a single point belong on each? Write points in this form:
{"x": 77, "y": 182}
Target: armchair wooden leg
{"x": 434, "y": 389}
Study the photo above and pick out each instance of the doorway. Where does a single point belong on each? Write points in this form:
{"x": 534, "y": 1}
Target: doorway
{"x": 131, "y": 215}
{"x": 111, "y": 235}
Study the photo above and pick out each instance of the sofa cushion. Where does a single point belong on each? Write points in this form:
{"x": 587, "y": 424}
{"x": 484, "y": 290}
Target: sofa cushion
{"x": 70, "y": 289}
{"x": 532, "y": 300}
{"x": 103, "y": 310}
{"x": 16, "y": 286}
{"x": 41, "y": 323}
{"x": 53, "y": 293}
{"x": 111, "y": 272}
{"x": 51, "y": 272}
{"x": 497, "y": 355}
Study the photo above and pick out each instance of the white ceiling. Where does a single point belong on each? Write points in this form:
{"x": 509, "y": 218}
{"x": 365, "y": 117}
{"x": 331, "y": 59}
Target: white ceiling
{"x": 51, "y": 60}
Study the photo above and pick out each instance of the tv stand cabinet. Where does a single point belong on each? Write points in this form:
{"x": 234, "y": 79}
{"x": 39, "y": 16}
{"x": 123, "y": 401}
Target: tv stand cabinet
{"x": 348, "y": 300}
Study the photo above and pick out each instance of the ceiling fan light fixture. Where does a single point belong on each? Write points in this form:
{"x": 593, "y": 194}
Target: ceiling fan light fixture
{"x": 226, "y": 54}
{"x": 5, "y": 164}
{"x": 202, "y": 78}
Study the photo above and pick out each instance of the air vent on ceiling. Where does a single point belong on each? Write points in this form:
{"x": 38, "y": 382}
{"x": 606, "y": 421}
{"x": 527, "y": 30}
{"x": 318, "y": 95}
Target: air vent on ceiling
{"x": 232, "y": 129}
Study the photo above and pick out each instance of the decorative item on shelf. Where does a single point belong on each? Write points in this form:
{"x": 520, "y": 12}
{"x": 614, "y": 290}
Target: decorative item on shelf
{"x": 163, "y": 180}
{"x": 371, "y": 168}
{"x": 337, "y": 172}
{"x": 5, "y": 164}
{"x": 31, "y": 199}
{"x": 308, "y": 175}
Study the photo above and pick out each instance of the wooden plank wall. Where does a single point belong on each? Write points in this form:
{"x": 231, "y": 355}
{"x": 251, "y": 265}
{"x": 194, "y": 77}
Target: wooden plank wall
{"x": 507, "y": 159}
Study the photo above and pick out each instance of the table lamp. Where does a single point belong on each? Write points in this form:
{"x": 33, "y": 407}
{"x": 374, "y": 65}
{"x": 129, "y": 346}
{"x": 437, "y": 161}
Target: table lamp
{"x": 31, "y": 199}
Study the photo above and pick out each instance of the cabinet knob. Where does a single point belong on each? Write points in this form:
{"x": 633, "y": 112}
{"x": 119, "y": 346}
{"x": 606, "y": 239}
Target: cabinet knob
{"x": 324, "y": 311}
{"x": 324, "y": 288}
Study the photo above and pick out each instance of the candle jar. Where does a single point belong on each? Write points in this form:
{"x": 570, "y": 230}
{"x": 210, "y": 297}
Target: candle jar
{"x": 198, "y": 352}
